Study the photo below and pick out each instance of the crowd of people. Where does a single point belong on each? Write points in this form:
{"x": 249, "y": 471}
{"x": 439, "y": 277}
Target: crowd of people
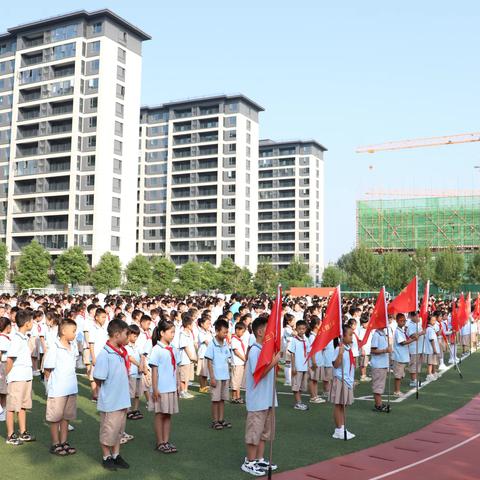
{"x": 138, "y": 347}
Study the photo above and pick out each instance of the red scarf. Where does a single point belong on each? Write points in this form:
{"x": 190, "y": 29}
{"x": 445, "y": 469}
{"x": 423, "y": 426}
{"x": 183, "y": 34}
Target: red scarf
{"x": 172, "y": 356}
{"x": 304, "y": 346}
{"x": 241, "y": 343}
{"x": 147, "y": 334}
{"x": 123, "y": 353}
{"x": 352, "y": 359}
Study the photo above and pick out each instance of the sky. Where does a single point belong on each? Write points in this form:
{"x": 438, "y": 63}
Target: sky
{"x": 344, "y": 73}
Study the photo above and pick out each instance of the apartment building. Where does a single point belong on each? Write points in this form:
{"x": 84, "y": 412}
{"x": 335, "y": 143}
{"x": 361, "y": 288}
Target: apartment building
{"x": 69, "y": 103}
{"x": 290, "y": 203}
{"x": 197, "y": 189}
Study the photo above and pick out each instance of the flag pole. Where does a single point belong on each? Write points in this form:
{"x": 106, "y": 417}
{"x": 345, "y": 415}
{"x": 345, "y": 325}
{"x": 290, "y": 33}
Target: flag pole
{"x": 416, "y": 349}
{"x": 389, "y": 372}
{"x": 342, "y": 367}
{"x": 455, "y": 361}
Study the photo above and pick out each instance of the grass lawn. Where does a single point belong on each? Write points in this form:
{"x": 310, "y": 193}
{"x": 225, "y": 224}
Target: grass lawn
{"x": 302, "y": 437}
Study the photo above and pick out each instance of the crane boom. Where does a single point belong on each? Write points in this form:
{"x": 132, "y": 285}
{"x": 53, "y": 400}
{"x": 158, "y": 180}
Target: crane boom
{"x": 421, "y": 142}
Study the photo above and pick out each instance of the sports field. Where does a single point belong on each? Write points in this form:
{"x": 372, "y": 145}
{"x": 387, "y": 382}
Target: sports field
{"x": 302, "y": 437}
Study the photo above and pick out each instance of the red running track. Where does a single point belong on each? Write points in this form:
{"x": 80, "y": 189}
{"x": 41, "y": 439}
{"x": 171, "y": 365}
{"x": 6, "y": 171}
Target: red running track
{"x": 447, "y": 449}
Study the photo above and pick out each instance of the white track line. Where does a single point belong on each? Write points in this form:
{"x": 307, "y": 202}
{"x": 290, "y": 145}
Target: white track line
{"x": 431, "y": 457}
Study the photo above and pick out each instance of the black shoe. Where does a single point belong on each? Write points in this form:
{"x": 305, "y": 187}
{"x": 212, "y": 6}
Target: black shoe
{"x": 14, "y": 440}
{"x": 120, "y": 462}
{"x": 109, "y": 464}
{"x": 26, "y": 437}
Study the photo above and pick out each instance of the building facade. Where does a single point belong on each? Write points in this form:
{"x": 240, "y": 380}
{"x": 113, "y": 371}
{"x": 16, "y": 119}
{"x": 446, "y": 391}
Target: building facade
{"x": 69, "y": 103}
{"x": 290, "y": 204}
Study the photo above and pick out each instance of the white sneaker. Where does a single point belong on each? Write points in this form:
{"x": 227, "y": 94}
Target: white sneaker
{"x": 71, "y": 428}
{"x": 300, "y": 406}
{"x": 365, "y": 379}
{"x": 413, "y": 384}
{"x": 185, "y": 395}
{"x": 436, "y": 375}
{"x": 442, "y": 367}
{"x": 398, "y": 394}
{"x": 339, "y": 434}
{"x": 36, "y": 373}
{"x": 316, "y": 400}
{"x": 431, "y": 378}
{"x": 252, "y": 469}
{"x": 263, "y": 464}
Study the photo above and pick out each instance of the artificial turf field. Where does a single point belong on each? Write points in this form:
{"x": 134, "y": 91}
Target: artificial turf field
{"x": 302, "y": 437}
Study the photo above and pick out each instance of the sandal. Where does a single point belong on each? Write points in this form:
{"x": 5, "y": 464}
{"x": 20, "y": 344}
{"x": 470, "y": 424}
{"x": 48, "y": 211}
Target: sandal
{"x": 225, "y": 424}
{"x": 131, "y": 414}
{"x": 172, "y": 447}
{"x": 69, "y": 449}
{"x": 137, "y": 415}
{"x": 217, "y": 426}
{"x": 164, "y": 448}
{"x": 58, "y": 449}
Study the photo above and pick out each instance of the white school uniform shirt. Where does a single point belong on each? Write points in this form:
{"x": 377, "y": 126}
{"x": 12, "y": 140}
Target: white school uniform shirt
{"x": 328, "y": 354}
{"x": 51, "y": 335}
{"x": 431, "y": 335}
{"x": 287, "y": 337}
{"x": 318, "y": 357}
{"x": 42, "y": 333}
{"x": 400, "y": 352}
{"x": 161, "y": 358}
{"x": 176, "y": 339}
{"x": 361, "y": 335}
{"x": 135, "y": 353}
{"x": 144, "y": 342}
{"x": 237, "y": 344}
{"x": 80, "y": 321}
{"x": 355, "y": 349}
{"x": 220, "y": 355}
{"x": 466, "y": 329}
{"x": 62, "y": 362}
{"x": 411, "y": 329}
{"x": 380, "y": 341}
{"x": 300, "y": 348}
{"x": 203, "y": 339}
{"x": 186, "y": 340}
{"x": 98, "y": 336}
{"x": 348, "y": 370}
{"x": 5, "y": 342}
{"x": 22, "y": 365}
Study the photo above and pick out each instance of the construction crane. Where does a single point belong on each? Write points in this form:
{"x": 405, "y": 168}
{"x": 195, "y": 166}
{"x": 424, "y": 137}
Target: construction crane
{"x": 421, "y": 142}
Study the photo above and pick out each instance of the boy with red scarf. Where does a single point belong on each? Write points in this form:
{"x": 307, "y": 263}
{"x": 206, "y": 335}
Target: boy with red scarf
{"x": 239, "y": 355}
{"x": 111, "y": 375}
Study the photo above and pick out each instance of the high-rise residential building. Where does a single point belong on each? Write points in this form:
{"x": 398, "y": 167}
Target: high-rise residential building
{"x": 197, "y": 197}
{"x": 69, "y": 103}
{"x": 290, "y": 204}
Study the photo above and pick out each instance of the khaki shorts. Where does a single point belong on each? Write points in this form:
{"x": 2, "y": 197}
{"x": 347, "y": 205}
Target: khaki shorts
{"x": 259, "y": 427}
{"x": 337, "y": 392}
{"x": 135, "y": 387}
{"x": 19, "y": 396}
{"x": 432, "y": 359}
{"x": 414, "y": 359}
{"x": 220, "y": 391}
{"x": 112, "y": 425}
{"x": 238, "y": 377}
{"x": 3, "y": 378}
{"x": 314, "y": 373}
{"x": 466, "y": 339}
{"x": 363, "y": 361}
{"x": 399, "y": 369}
{"x": 202, "y": 367}
{"x": 61, "y": 408}
{"x": 379, "y": 377}
{"x": 167, "y": 403}
{"x": 327, "y": 374}
{"x": 187, "y": 372}
{"x": 300, "y": 382}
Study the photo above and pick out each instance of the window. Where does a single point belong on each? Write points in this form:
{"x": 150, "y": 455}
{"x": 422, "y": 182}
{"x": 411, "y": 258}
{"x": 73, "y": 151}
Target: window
{"x": 92, "y": 83}
{"x": 64, "y": 33}
{"x": 231, "y": 216}
{"x": 119, "y": 109}
{"x": 97, "y": 27}
{"x": 116, "y": 204}
{"x": 90, "y": 180}
{"x": 117, "y": 185}
{"x": 115, "y": 223}
{"x": 230, "y": 122}
{"x": 118, "y": 147}
{"x": 92, "y": 122}
{"x": 89, "y": 200}
{"x": 117, "y": 165}
{"x": 115, "y": 243}
{"x": 88, "y": 220}
{"x": 90, "y": 160}
{"x": 120, "y": 73}
{"x": 120, "y": 91}
{"x": 231, "y": 230}
{"x": 249, "y": 125}
{"x": 93, "y": 66}
{"x": 233, "y": 107}
{"x": 93, "y": 103}
{"x": 94, "y": 47}
{"x": 231, "y": 161}
{"x": 92, "y": 141}
{"x": 118, "y": 128}
{"x": 121, "y": 55}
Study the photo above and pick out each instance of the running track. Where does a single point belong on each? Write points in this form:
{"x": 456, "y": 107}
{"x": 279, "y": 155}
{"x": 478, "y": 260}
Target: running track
{"x": 447, "y": 449}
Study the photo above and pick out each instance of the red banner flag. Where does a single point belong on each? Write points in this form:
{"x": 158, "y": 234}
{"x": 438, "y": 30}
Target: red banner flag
{"x": 454, "y": 317}
{"x": 331, "y": 326}
{"x": 476, "y": 311}
{"x": 462, "y": 313}
{"x": 379, "y": 318}
{"x": 407, "y": 300}
{"x": 272, "y": 340}
{"x": 424, "y": 306}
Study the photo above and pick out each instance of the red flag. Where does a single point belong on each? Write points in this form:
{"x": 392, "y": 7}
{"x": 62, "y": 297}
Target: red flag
{"x": 272, "y": 340}
{"x": 424, "y": 306}
{"x": 379, "y": 318}
{"x": 406, "y": 300}
{"x": 454, "y": 317}
{"x": 476, "y": 311}
{"x": 462, "y": 313}
{"x": 331, "y": 326}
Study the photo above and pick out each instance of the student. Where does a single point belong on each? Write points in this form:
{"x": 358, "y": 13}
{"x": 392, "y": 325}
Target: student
{"x": 111, "y": 375}
{"x": 219, "y": 355}
{"x": 431, "y": 348}
{"x": 299, "y": 349}
{"x": 316, "y": 362}
{"x": 19, "y": 380}
{"x": 97, "y": 338}
{"x": 288, "y": 333}
{"x": 364, "y": 351}
{"x": 341, "y": 393}
{"x": 204, "y": 338}
{"x": 414, "y": 328}
{"x": 380, "y": 350}
{"x": 401, "y": 355}
{"x": 239, "y": 354}
{"x": 165, "y": 387}
{"x": 62, "y": 389}
{"x": 259, "y": 400}
{"x": 135, "y": 373}
{"x": 186, "y": 346}
{"x": 5, "y": 330}
{"x": 327, "y": 368}
{"x": 37, "y": 319}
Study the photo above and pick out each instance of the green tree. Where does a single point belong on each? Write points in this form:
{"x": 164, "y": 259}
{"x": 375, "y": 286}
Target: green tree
{"x": 363, "y": 268}
{"x": 333, "y": 276}
{"x": 138, "y": 273}
{"x": 32, "y": 267}
{"x": 474, "y": 269}
{"x": 163, "y": 273}
{"x": 244, "y": 285}
{"x": 449, "y": 269}
{"x": 228, "y": 274}
{"x": 295, "y": 275}
{"x": 3, "y": 261}
{"x": 424, "y": 264}
{"x": 71, "y": 267}
{"x": 265, "y": 279}
{"x": 189, "y": 278}
{"x": 107, "y": 275}
{"x": 210, "y": 277}
{"x": 398, "y": 269}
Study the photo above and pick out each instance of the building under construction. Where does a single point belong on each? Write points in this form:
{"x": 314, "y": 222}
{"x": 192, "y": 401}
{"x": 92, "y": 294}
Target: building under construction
{"x": 405, "y": 224}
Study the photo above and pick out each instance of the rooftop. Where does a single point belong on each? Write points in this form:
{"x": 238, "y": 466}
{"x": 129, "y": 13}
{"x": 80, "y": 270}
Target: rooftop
{"x": 266, "y": 142}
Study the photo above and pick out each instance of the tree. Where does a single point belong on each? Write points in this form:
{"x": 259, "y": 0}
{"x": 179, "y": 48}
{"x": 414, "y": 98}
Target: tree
{"x": 398, "y": 269}
{"x": 424, "y": 264}
{"x": 189, "y": 278}
{"x": 295, "y": 275}
{"x": 163, "y": 273}
{"x": 474, "y": 269}
{"x": 244, "y": 285}
{"x": 266, "y": 278}
{"x": 71, "y": 267}
{"x": 32, "y": 267}
{"x": 210, "y": 277}
{"x": 449, "y": 269}
{"x": 138, "y": 273}
{"x": 363, "y": 268}
{"x": 107, "y": 275}
{"x": 3, "y": 261}
{"x": 228, "y": 274}
{"x": 333, "y": 276}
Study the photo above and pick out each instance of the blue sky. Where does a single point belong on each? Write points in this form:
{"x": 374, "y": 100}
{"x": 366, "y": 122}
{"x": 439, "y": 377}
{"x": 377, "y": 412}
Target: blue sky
{"x": 345, "y": 73}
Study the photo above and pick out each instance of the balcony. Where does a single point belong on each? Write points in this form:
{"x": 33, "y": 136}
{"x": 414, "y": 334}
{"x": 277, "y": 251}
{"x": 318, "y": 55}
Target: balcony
{"x": 32, "y": 59}
{"x": 57, "y": 186}
{"x": 207, "y": 138}
{"x": 23, "y": 133}
{"x": 203, "y": 124}
{"x": 27, "y": 150}
{"x": 65, "y": 127}
{"x": 28, "y": 114}
{"x": 30, "y": 96}
{"x": 60, "y": 147}
{"x": 62, "y": 108}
